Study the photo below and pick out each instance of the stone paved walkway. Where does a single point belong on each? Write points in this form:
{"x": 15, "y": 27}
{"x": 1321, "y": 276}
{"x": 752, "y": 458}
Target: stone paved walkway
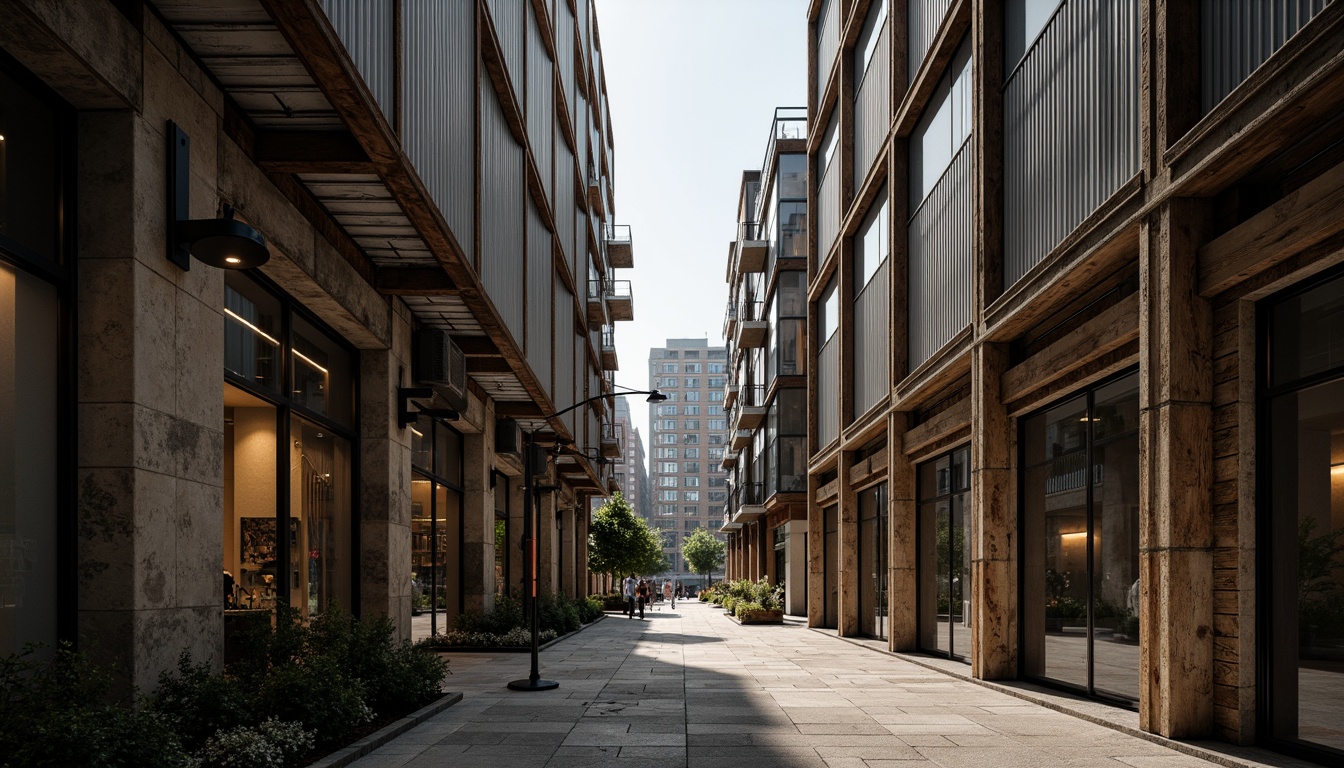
{"x": 693, "y": 689}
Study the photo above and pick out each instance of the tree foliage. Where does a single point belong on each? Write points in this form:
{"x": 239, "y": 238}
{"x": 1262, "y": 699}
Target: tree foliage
{"x": 702, "y": 551}
{"x": 620, "y": 543}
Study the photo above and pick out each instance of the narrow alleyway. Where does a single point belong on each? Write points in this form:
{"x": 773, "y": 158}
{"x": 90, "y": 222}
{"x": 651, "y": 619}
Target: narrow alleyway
{"x": 692, "y": 688}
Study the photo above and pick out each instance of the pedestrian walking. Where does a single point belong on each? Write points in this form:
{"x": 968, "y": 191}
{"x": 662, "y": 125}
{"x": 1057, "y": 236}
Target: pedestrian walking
{"x": 642, "y": 595}
{"x": 628, "y": 589}
{"x": 669, "y": 595}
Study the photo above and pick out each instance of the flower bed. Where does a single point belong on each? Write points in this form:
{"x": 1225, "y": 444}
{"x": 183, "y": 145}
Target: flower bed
{"x": 506, "y": 627}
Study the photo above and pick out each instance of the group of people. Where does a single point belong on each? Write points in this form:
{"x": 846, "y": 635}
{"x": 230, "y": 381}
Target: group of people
{"x": 641, "y": 592}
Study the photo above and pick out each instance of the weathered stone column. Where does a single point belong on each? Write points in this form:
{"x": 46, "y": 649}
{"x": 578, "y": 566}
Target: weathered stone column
{"x": 546, "y": 542}
{"x": 848, "y": 597}
{"x": 901, "y": 590}
{"x": 516, "y": 552}
{"x": 478, "y": 515}
{"x": 1176, "y": 477}
{"x": 993, "y": 521}
{"x": 568, "y": 564}
{"x": 816, "y": 555}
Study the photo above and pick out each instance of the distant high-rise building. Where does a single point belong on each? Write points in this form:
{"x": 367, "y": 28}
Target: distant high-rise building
{"x": 631, "y": 474}
{"x": 686, "y": 442}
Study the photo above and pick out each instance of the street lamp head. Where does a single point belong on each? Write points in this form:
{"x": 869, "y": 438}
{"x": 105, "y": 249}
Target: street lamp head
{"x": 655, "y": 397}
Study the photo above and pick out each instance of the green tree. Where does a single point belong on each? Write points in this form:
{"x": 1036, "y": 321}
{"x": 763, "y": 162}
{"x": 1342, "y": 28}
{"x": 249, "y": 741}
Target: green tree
{"x": 702, "y": 551}
{"x": 620, "y": 543}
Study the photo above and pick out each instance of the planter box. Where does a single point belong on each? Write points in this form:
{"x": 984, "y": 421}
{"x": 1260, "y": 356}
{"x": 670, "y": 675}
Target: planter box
{"x": 762, "y": 617}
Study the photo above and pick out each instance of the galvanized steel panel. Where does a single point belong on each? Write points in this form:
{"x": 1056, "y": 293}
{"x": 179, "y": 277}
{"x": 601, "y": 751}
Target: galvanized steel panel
{"x": 872, "y": 109}
{"x": 872, "y": 365}
{"x": 438, "y": 133}
{"x": 828, "y": 209}
{"x": 828, "y": 391}
{"x": 1237, "y": 37}
{"x": 365, "y": 27}
{"x": 1071, "y": 126}
{"x": 828, "y": 42}
{"x": 511, "y": 29}
{"x": 540, "y": 277}
{"x": 924, "y": 17}
{"x": 564, "y": 195}
{"x": 564, "y": 50}
{"x": 503, "y": 196}
{"x": 540, "y": 102}
{"x": 940, "y": 261}
{"x": 563, "y": 393}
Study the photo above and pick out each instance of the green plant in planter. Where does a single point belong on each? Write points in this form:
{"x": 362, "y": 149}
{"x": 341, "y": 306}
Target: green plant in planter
{"x": 1320, "y": 602}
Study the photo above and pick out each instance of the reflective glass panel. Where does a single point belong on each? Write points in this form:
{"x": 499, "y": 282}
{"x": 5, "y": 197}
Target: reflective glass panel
{"x": 319, "y": 519}
{"x": 251, "y": 332}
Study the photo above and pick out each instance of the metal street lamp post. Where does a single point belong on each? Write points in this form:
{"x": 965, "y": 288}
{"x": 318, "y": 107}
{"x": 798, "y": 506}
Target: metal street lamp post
{"x": 533, "y": 456}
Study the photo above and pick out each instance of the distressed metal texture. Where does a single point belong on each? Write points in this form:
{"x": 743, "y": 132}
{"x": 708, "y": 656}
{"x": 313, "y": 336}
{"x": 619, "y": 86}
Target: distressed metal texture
{"x": 564, "y": 195}
{"x": 582, "y": 120}
{"x": 940, "y": 261}
{"x": 564, "y": 49}
{"x": 1071, "y": 126}
{"x": 1237, "y": 37}
{"x": 872, "y": 108}
{"x": 828, "y": 391}
{"x": 540, "y": 102}
{"x": 872, "y": 366}
{"x": 563, "y": 393}
{"x": 511, "y": 28}
{"x": 540, "y": 275}
{"x": 924, "y": 17}
{"x": 439, "y": 135}
{"x": 503, "y": 198}
{"x": 828, "y": 209}
{"x": 365, "y": 27}
{"x": 828, "y": 43}
{"x": 578, "y": 417}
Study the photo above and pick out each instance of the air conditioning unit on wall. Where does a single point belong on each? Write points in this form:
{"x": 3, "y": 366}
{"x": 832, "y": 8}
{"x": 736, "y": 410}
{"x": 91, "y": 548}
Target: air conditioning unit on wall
{"x": 508, "y": 437}
{"x": 437, "y": 362}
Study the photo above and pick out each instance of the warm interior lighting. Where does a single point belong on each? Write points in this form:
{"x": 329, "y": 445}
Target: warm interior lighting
{"x": 1075, "y": 536}
{"x": 1337, "y": 468}
{"x": 417, "y": 432}
{"x": 309, "y": 361}
{"x": 253, "y": 328}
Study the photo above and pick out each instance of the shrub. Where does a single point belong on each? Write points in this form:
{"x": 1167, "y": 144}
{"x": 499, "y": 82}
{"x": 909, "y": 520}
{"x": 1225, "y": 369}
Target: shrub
{"x": 515, "y": 638}
{"x": 743, "y": 608}
{"x": 590, "y": 609}
{"x": 55, "y": 712}
{"x": 199, "y": 703}
{"x": 272, "y": 744}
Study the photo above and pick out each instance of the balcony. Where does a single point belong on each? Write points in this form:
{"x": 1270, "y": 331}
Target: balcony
{"x": 750, "y": 502}
{"x": 752, "y": 327}
{"x": 751, "y": 249}
{"x": 730, "y": 320}
{"x": 597, "y": 308}
{"x": 594, "y": 188}
{"x": 620, "y": 300}
{"x": 741, "y": 439}
{"x": 729, "y": 460}
{"x": 728, "y": 524}
{"x": 609, "y": 361}
{"x": 750, "y": 411}
{"x": 729, "y": 395}
{"x": 620, "y": 247}
{"x": 613, "y": 443}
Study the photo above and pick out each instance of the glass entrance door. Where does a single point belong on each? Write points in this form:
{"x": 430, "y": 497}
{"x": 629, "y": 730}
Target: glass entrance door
{"x": 873, "y": 561}
{"x": 943, "y": 554}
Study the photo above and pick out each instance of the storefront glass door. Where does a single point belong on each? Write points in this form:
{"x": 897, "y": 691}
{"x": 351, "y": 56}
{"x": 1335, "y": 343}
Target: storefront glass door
{"x": 943, "y": 554}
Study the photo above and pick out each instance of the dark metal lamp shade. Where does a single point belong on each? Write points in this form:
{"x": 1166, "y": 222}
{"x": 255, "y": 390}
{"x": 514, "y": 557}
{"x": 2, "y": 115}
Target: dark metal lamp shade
{"x": 223, "y": 243}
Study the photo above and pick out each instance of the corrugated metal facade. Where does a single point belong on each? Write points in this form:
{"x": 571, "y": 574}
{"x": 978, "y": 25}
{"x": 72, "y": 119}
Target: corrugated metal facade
{"x": 872, "y": 108}
{"x": 510, "y": 27}
{"x": 1237, "y": 37}
{"x": 540, "y": 102}
{"x": 828, "y": 202}
{"x": 563, "y": 202}
{"x": 564, "y": 350}
{"x": 924, "y": 17}
{"x": 828, "y": 42}
{"x": 872, "y": 368}
{"x": 564, "y": 50}
{"x": 1071, "y": 126}
{"x": 540, "y": 274}
{"x": 365, "y": 27}
{"x": 502, "y": 199}
{"x": 828, "y": 391}
{"x": 439, "y": 51}
{"x": 940, "y": 261}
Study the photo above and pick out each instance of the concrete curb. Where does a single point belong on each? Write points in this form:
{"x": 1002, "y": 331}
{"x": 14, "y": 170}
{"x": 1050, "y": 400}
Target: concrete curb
{"x": 364, "y": 746}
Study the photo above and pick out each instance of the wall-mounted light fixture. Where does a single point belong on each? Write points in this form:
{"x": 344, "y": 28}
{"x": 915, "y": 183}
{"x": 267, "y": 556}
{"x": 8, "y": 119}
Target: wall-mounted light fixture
{"x": 406, "y": 415}
{"x": 223, "y": 242}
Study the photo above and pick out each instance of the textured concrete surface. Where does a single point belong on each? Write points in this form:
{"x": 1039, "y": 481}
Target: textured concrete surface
{"x": 691, "y": 688}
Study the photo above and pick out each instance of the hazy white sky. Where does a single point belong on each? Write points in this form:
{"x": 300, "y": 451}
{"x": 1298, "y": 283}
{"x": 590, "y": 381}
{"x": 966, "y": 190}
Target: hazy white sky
{"x": 693, "y": 85}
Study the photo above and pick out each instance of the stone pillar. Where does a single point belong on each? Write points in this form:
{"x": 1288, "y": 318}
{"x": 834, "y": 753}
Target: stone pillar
{"x": 993, "y": 521}
{"x": 149, "y": 483}
{"x": 816, "y": 554}
{"x": 385, "y": 482}
{"x": 516, "y": 552}
{"x": 1176, "y": 477}
{"x": 478, "y": 516}
{"x": 765, "y": 549}
{"x": 582, "y": 580}
{"x": 546, "y": 542}
{"x": 848, "y": 597}
{"x": 795, "y": 563}
{"x": 568, "y": 567}
{"x": 901, "y": 590}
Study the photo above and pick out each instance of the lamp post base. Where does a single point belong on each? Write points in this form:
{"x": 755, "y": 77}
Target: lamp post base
{"x": 533, "y": 684}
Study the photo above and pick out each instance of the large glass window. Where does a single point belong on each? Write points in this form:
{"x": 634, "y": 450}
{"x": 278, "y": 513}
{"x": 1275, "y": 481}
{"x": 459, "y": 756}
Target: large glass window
{"x": 30, "y": 172}
{"x": 1301, "y": 539}
{"x": 830, "y": 566}
{"x": 1080, "y": 536}
{"x": 437, "y": 524}
{"x": 873, "y": 561}
{"x": 945, "y": 126}
{"x": 288, "y": 482}
{"x": 944, "y": 554}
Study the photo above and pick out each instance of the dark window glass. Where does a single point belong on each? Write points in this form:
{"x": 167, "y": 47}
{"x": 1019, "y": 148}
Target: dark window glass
{"x": 1307, "y": 334}
{"x": 251, "y": 332}
{"x": 322, "y": 374}
{"x": 943, "y": 554}
{"x": 29, "y": 207}
{"x": 792, "y": 177}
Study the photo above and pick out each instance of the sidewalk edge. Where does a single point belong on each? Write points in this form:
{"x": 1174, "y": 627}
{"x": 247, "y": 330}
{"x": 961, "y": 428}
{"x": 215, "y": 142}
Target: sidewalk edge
{"x": 364, "y": 746}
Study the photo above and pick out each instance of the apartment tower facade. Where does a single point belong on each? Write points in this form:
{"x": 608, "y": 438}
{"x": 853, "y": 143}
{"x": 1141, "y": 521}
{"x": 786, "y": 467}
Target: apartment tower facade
{"x": 686, "y": 442}
{"x": 765, "y": 325}
{"x": 1074, "y": 288}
